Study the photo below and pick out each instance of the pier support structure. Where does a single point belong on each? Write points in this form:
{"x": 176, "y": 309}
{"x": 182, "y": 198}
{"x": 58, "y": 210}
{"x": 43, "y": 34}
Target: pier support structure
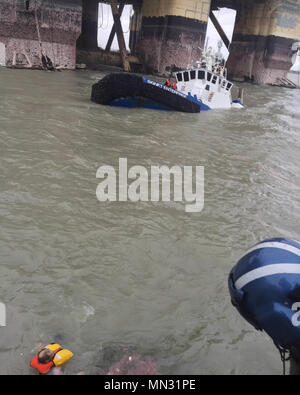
{"x": 164, "y": 35}
{"x": 172, "y": 33}
{"x": 34, "y": 27}
{"x": 88, "y": 39}
{"x": 261, "y": 50}
{"x": 88, "y": 51}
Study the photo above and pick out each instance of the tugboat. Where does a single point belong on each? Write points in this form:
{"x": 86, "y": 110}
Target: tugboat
{"x": 202, "y": 86}
{"x": 207, "y": 81}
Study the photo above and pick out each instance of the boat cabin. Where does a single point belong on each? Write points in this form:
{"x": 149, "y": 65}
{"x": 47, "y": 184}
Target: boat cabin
{"x": 212, "y": 88}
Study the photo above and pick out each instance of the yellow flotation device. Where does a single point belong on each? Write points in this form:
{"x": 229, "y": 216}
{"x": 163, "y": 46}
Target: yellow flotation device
{"x": 62, "y": 355}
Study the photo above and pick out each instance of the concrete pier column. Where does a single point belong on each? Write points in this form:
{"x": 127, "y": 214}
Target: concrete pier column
{"x": 28, "y": 28}
{"x": 264, "y": 34}
{"x": 172, "y": 33}
{"x": 89, "y": 34}
{"x": 135, "y": 27}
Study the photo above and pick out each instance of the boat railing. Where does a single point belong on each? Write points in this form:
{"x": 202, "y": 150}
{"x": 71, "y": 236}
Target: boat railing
{"x": 216, "y": 68}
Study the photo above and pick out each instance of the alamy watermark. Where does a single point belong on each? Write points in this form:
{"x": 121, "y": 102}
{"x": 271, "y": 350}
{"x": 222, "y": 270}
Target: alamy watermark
{"x": 139, "y": 184}
{"x": 2, "y": 314}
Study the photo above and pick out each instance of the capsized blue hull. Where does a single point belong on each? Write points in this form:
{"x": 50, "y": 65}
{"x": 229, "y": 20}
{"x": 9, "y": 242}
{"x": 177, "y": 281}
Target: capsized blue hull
{"x": 139, "y": 102}
{"x": 133, "y": 91}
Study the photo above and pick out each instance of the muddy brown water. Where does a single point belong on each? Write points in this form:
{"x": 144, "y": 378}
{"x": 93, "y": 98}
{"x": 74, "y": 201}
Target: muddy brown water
{"x": 143, "y": 274}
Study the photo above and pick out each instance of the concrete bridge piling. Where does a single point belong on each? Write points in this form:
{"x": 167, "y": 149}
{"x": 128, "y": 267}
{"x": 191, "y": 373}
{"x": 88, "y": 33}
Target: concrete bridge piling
{"x": 164, "y": 35}
{"x": 172, "y": 33}
{"x": 264, "y": 33}
{"x": 59, "y": 25}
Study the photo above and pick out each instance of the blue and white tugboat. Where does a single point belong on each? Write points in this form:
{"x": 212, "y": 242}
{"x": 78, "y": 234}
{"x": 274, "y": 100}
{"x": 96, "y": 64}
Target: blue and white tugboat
{"x": 206, "y": 80}
{"x": 202, "y": 86}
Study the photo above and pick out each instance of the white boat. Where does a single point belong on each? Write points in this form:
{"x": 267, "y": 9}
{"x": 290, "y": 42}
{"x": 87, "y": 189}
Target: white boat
{"x": 206, "y": 81}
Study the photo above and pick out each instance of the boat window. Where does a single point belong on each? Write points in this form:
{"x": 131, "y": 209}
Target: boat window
{"x": 207, "y": 87}
{"x": 209, "y": 75}
{"x": 186, "y": 76}
{"x": 214, "y": 80}
{"x": 201, "y": 74}
{"x": 179, "y": 77}
{"x": 223, "y": 84}
{"x": 193, "y": 75}
{"x": 229, "y": 85}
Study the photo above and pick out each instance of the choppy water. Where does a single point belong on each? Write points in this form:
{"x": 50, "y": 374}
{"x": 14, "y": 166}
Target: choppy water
{"x": 147, "y": 274}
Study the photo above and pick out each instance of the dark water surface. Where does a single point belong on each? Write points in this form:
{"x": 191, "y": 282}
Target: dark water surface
{"x": 147, "y": 274}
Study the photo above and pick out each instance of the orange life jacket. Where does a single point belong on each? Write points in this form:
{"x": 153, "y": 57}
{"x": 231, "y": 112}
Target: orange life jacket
{"x": 43, "y": 368}
{"x": 174, "y": 86}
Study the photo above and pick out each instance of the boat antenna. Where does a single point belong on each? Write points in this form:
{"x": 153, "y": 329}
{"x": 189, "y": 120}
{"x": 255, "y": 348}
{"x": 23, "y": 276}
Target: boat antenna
{"x": 206, "y": 44}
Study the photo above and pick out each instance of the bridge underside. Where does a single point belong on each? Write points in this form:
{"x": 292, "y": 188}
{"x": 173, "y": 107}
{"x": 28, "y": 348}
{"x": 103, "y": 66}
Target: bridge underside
{"x": 164, "y": 34}
{"x": 167, "y": 35}
{"x": 263, "y": 36}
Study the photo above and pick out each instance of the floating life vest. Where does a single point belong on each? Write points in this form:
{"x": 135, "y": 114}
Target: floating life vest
{"x": 61, "y": 356}
{"x": 265, "y": 288}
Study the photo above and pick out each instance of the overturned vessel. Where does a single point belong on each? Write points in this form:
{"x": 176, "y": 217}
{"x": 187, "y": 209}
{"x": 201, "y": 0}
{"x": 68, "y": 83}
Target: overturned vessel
{"x": 130, "y": 90}
{"x": 202, "y": 86}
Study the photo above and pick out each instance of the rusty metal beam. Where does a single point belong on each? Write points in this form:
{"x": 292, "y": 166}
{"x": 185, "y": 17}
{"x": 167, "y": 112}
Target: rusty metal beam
{"x": 219, "y": 29}
{"x": 120, "y": 36}
{"x": 113, "y": 30}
